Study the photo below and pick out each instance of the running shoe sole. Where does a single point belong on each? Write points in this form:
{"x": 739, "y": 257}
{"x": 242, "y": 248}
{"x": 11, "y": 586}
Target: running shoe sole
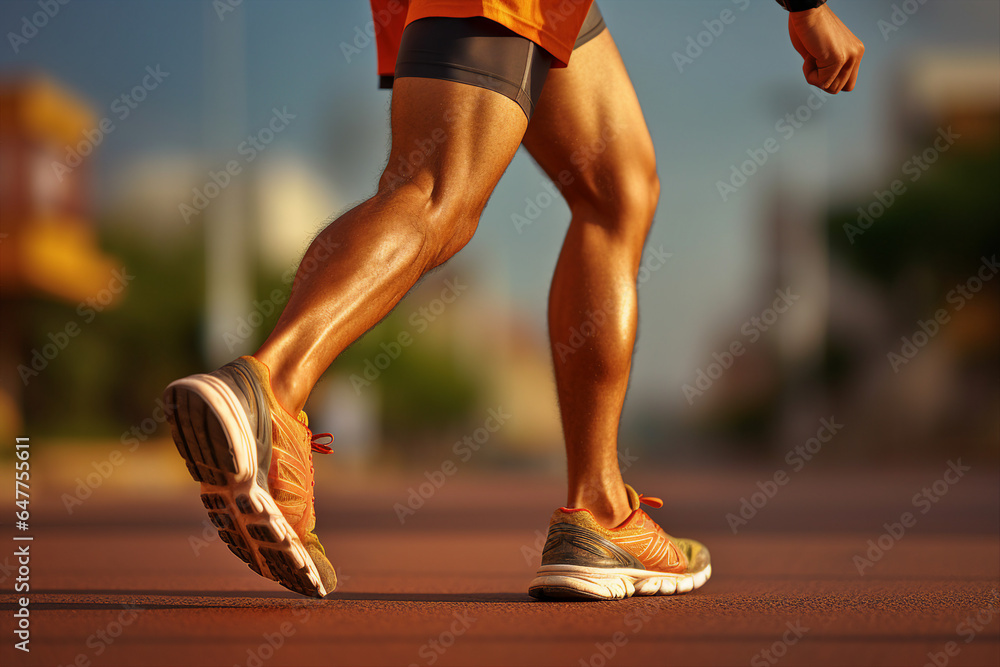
{"x": 577, "y": 582}
{"x": 213, "y": 436}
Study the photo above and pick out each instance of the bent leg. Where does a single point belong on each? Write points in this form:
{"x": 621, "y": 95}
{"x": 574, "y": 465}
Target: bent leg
{"x": 589, "y": 135}
{"x": 364, "y": 262}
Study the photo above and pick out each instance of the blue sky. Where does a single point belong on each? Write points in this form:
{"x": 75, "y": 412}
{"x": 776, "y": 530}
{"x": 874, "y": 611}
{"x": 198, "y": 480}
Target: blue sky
{"x": 703, "y": 120}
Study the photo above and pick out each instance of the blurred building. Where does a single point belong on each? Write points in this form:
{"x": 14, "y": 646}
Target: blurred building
{"x": 48, "y": 245}
{"x": 514, "y": 358}
{"x": 865, "y": 295}
{"x": 940, "y": 89}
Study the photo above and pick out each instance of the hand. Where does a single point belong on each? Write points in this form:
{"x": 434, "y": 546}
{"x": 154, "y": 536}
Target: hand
{"x": 831, "y": 52}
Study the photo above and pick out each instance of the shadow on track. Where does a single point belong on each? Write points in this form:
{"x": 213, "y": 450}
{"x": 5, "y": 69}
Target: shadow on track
{"x": 111, "y": 599}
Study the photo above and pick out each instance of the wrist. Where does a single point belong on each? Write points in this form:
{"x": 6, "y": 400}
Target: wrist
{"x": 799, "y": 6}
{"x": 808, "y": 17}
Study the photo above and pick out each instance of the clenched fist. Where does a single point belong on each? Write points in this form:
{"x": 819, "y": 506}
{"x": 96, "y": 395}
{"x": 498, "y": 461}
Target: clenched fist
{"x": 831, "y": 52}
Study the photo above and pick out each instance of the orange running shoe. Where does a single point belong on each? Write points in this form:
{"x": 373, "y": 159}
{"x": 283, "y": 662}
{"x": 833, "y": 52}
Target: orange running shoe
{"x": 584, "y": 560}
{"x": 254, "y": 462}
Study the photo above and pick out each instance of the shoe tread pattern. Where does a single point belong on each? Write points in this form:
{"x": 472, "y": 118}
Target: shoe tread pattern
{"x": 251, "y": 534}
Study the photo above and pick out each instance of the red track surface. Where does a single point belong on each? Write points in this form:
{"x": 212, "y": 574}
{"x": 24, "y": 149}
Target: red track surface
{"x": 449, "y": 586}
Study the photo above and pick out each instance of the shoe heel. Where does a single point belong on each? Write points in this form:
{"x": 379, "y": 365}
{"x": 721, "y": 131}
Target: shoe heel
{"x": 204, "y": 425}
{"x": 213, "y": 437}
{"x": 568, "y": 584}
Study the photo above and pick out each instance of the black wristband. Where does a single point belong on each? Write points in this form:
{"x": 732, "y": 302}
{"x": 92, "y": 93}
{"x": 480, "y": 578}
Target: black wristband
{"x": 801, "y": 5}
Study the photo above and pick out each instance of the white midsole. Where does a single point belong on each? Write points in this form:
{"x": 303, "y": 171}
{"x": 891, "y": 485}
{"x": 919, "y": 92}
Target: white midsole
{"x": 617, "y": 583}
{"x": 614, "y": 572}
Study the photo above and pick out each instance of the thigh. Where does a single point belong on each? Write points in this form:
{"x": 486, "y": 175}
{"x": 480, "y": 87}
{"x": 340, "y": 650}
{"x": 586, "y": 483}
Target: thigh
{"x": 450, "y": 140}
{"x": 588, "y": 132}
{"x": 456, "y": 118}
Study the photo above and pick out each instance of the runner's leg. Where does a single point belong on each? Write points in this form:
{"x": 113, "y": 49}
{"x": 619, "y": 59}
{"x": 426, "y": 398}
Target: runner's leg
{"x": 372, "y": 255}
{"x": 588, "y": 130}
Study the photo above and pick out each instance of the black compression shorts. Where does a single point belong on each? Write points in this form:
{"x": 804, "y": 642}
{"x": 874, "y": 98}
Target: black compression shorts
{"x": 482, "y": 53}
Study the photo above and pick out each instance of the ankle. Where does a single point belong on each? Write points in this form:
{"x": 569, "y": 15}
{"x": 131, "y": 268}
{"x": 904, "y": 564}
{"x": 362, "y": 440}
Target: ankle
{"x": 608, "y": 504}
{"x": 286, "y": 393}
{"x": 283, "y": 386}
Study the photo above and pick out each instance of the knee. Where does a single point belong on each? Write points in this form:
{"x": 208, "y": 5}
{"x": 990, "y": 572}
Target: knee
{"x": 443, "y": 219}
{"x": 640, "y": 196}
{"x": 623, "y": 201}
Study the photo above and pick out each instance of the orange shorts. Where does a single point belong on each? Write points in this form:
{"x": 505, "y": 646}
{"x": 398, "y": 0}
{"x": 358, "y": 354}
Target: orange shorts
{"x": 551, "y": 24}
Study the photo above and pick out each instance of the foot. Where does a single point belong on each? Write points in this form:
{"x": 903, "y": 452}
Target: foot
{"x": 584, "y": 560}
{"x": 254, "y": 462}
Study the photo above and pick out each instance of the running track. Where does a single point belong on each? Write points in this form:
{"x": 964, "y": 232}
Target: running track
{"x": 129, "y": 580}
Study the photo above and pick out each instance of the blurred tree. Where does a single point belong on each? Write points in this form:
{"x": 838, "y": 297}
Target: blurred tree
{"x": 939, "y": 227}
{"x": 109, "y": 376}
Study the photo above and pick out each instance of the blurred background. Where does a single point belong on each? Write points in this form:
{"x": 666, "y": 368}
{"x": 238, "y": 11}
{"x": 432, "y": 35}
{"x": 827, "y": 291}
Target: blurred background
{"x": 165, "y": 164}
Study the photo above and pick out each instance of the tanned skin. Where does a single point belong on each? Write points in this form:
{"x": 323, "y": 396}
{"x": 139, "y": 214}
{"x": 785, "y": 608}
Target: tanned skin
{"x": 371, "y": 256}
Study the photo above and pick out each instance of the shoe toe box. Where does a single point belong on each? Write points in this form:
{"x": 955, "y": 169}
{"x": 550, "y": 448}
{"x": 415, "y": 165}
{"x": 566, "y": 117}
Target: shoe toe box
{"x": 698, "y": 557}
{"x": 327, "y": 575}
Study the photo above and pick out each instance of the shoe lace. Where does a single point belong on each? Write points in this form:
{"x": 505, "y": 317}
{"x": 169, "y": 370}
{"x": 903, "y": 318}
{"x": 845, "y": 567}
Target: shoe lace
{"x": 650, "y": 500}
{"x": 321, "y": 447}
